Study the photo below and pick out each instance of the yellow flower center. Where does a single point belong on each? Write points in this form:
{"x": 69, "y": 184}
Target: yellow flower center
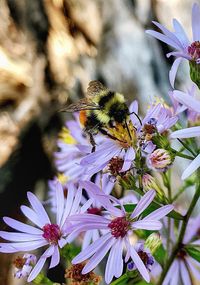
{"x": 125, "y": 136}
{"x": 66, "y": 137}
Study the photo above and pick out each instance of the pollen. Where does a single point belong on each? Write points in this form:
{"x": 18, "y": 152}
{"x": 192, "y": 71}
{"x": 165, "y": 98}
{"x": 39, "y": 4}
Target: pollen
{"x": 51, "y": 233}
{"x": 65, "y": 136}
{"x": 62, "y": 178}
{"x": 125, "y": 136}
{"x": 119, "y": 227}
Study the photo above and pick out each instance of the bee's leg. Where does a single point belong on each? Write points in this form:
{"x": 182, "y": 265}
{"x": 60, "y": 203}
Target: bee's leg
{"x": 104, "y": 132}
{"x": 92, "y": 141}
{"x": 128, "y": 129}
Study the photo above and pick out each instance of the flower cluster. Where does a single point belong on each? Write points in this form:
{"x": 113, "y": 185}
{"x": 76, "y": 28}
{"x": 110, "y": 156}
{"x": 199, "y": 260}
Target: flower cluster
{"x": 114, "y": 203}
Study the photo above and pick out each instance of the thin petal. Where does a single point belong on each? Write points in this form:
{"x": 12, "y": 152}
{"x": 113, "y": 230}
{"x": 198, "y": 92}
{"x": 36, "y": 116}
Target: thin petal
{"x": 180, "y": 34}
{"x": 38, "y": 208}
{"x": 32, "y": 216}
{"x": 159, "y": 213}
{"x": 164, "y": 39}
{"x": 186, "y": 133}
{"x": 98, "y": 256}
{"x": 69, "y": 202}
{"x": 55, "y": 259}
{"x": 194, "y": 165}
{"x": 184, "y": 274}
{"x": 38, "y": 267}
{"x": 114, "y": 265}
{"x": 187, "y": 100}
{"x": 147, "y": 225}
{"x": 59, "y": 202}
{"x": 173, "y": 71}
{"x": 144, "y": 202}
{"x": 196, "y": 22}
{"x": 128, "y": 159}
{"x": 21, "y": 226}
{"x": 19, "y": 236}
{"x": 91, "y": 249}
{"x": 21, "y": 246}
{"x": 139, "y": 264}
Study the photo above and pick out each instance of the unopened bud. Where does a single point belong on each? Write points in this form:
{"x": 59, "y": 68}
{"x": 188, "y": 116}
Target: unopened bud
{"x": 194, "y": 51}
{"x": 153, "y": 242}
{"x": 149, "y": 182}
{"x": 160, "y": 159}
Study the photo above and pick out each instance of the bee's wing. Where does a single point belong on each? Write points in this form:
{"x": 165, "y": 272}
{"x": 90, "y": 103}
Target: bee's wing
{"x": 82, "y": 104}
{"x": 94, "y": 88}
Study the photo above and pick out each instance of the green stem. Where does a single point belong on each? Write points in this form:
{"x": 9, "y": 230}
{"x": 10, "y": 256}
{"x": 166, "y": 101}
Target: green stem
{"x": 178, "y": 245}
{"x": 187, "y": 147}
{"x": 182, "y": 189}
{"x": 124, "y": 277}
{"x": 184, "y": 155}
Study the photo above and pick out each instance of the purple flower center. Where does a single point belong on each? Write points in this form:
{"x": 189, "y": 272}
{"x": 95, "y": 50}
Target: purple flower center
{"x": 95, "y": 211}
{"x": 51, "y": 233}
{"x": 115, "y": 166}
{"x": 194, "y": 50}
{"x": 119, "y": 227}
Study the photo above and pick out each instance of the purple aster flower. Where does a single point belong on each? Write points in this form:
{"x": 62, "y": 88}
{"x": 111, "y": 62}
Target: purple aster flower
{"x": 114, "y": 156}
{"x": 145, "y": 255}
{"x": 192, "y": 115}
{"x": 184, "y": 49}
{"x": 45, "y": 233}
{"x": 105, "y": 185}
{"x": 184, "y": 266}
{"x": 23, "y": 265}
{"x": 159, "y": 119}
{"x": 73, "y": 146}
{"x": 194, "y": 105}
{"x": 117, "y": 227}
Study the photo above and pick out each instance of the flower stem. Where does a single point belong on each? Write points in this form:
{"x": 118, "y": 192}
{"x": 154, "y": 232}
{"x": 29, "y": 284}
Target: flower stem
{"x": 187, "y": 147}
{"x": 184, "y": 155}
{"x": 178, "y": 245}
{"x": 121, "y": 279}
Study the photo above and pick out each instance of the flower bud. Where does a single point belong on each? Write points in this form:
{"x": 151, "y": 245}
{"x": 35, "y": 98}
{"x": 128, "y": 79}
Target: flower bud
{"x": 153, "y": 242}
{"x": 194, "y": 51}
{"x": 24, "y": 265}
{"x": 160, "y": 159}
{"x": 149, "y": 182}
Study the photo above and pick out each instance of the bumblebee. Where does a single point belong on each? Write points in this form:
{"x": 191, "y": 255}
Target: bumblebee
{"x": 100, "y": 110}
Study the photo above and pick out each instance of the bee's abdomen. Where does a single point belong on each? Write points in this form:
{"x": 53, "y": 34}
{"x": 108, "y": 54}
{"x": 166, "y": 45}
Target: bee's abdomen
{"x": 92, "y": 122}
{"x": 105, "y": 99}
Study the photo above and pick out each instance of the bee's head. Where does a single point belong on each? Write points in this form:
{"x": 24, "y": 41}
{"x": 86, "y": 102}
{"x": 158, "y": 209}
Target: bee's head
{"x": 120, "y": 113}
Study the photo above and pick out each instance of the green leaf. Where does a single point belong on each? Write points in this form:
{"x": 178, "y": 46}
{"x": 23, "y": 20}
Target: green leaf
{"x": 160, "y": 255}
{"x": 121, "y": 280}
{"x": 69, "y": 251}
{"x": 193, "y": 252}
{"x": 154, "y": 206}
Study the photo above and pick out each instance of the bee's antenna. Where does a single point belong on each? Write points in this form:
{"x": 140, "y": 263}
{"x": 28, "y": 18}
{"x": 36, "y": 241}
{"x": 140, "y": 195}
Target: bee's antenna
{"x": 136, "y": 117}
